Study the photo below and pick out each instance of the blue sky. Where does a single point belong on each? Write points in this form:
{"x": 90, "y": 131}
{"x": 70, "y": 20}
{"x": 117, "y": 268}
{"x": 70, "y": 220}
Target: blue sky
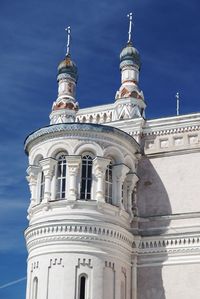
{"x": 33, "y": 40}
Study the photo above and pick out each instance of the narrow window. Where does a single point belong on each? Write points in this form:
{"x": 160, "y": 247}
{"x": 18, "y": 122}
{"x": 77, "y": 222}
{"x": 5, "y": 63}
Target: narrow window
{"x": 82, "y": 287}
{"x": 122, "y": 194}
{"x": 42, "y": 185}
{"x": 108, "y": 184}
{"x": 86, "y": 177}
{"x": 35, "y": 288}
{"x": 61, "y": 177}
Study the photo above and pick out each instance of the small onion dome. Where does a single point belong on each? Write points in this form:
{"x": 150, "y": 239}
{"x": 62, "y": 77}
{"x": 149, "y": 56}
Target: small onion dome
{"x": 129, "y": 55}
{"x": 67, "y": 66}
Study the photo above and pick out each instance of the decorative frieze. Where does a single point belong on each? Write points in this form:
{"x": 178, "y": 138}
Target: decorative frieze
{"x": 170, "y": 143}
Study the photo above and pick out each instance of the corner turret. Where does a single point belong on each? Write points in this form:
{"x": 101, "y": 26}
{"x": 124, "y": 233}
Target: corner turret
{"x": 129, "y": 98}
{"x": 64, "y": 109}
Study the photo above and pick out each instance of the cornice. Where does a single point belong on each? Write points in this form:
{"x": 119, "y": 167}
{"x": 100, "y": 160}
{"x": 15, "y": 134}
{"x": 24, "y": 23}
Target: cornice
{"x": 77, "y": 130}
{"x": 172, "y": 125}
{"x": 169, "y": 131}
{"x": 41, "y": 235}
{"x": 167, "y": 244}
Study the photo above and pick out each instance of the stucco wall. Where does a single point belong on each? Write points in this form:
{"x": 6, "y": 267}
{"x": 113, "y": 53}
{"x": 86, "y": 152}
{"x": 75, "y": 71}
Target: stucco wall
{"x": 169, "y": 281}
{"x": 169, "y": 184}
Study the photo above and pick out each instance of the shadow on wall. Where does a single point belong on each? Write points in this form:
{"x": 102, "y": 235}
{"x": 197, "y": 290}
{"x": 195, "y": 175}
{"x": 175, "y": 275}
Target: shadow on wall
{"x": 153, "y": 207}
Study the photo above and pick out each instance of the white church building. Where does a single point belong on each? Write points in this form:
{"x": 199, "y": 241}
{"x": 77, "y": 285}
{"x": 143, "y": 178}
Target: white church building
{"x": 115, "y": 199}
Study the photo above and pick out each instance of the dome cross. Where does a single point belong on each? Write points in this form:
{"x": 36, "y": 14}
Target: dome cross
{"x": 68, "y": 29}
{"x": 130, "y": 16}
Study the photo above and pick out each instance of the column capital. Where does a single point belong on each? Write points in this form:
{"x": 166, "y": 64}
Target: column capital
{"x": 73, "y": 163}
{"x": 48, "y": 165}
{"x": 100, "y": 165}
{"x": 120, "y": 171}
{"x": 131, "y": 180}
{"x": 73, "y": 160}
{"x": 33, "y": 170}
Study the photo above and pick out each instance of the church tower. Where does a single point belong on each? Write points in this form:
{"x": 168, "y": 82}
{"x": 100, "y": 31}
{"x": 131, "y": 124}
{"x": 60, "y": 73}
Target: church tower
{"x": 82, "y": 178}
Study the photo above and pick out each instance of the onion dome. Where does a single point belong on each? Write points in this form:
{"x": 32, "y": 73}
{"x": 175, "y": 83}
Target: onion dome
{"x": 129, "y": 56}
{"x": 68, "y": 67}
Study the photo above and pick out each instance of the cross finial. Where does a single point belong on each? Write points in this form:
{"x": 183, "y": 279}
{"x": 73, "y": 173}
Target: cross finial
{"x": 177, "y": 103}
{"x": 68, "y": 29}
{"x": 130, "y": 16}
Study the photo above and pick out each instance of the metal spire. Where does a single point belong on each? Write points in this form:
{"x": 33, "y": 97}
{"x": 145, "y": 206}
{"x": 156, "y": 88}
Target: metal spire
{"x": 130, "y": 16}
{"x": 177, "y": 103}
{"x": 68, "y": 29}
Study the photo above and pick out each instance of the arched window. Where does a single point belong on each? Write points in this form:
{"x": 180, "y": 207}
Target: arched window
{"x": 98, "y": 119}
{"x": 35, "y": 288}
{"x": 61, "y": 177}
{"x": 42, "y": 185}
{"x": 91, "y": 119}
{"x": 108, "y": 183}
{"x": 82, "y": 287}
{"x": 86, "y": 177}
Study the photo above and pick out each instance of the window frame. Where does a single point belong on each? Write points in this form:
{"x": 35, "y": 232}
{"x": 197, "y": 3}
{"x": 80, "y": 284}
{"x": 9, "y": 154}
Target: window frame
{"x": 41, "y": 185}
{"x": 109, "y": 182}
{"x": 85, "y": 191}
{"x": 61, "y": 180}
{"x": 80, "y": 294}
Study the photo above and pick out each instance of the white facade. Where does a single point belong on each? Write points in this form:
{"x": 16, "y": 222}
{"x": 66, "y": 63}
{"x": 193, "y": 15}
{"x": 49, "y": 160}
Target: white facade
{"x": 114, "y": 208}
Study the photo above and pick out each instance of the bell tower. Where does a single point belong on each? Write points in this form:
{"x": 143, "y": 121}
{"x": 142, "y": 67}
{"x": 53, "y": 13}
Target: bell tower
{"x": 82, "y": 178}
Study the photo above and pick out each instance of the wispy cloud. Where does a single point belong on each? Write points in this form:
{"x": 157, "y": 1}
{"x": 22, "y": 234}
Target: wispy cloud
{"x": 6, "y": 285}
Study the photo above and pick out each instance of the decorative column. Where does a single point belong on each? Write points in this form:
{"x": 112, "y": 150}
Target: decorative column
{"x": 119, "y": 175}
{"x": 32, "y": 177}
{"x": 131, "y": 180}
{"x": 100, "y": 165}
{"x": 73, "y": 164}
{"x": 47, "y": 165}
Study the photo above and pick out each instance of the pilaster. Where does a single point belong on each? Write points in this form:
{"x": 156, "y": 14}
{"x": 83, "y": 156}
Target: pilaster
{"x": 32, "y": 177}
{"x": 48, "y": 166}
{"x": 119, "y": 175}
{"x": 100, "y": 165}
{"x": 131, "y": 180}
{"x": 73, "y": 164}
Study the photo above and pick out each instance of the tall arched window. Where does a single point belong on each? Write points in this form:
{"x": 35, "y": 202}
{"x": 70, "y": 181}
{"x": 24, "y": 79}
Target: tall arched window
{"x": 86, "y": 177}
{"x": 61, "y": 177}
{"x": 35, "y": 288}
{"x": 108, "y": 183}
{"x": 82, "y": 287}
{"x": 42, "y": 185}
